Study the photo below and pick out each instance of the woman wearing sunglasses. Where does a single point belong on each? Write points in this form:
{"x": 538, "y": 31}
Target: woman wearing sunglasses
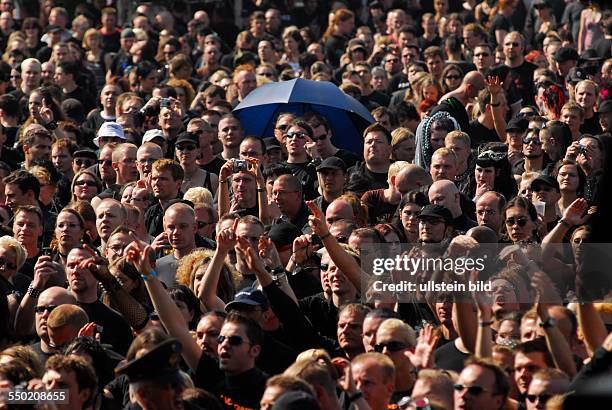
{"x": 451, "y": 78}
{"x": 85, "y": 186}
{"x": 521, "y": 219}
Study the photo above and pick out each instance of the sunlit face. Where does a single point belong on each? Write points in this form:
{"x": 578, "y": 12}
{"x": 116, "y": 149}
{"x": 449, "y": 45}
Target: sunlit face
{"x": 519, "y": 224}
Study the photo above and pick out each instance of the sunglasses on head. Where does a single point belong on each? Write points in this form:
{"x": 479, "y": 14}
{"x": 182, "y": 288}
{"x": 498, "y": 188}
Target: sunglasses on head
{"x": 492, "y": 155}
{"x": 298, "y": 135}
{"x": 472, "y": 390}
{"x": 393, "y": 346}
{"x": 232, "y": 340}
{"x": 521, "y": 221}
{"x": 42, "y": 308}
{"x": 528, "y": 141}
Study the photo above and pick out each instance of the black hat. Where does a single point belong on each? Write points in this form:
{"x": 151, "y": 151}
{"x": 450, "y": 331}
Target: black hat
{"x": 436, "y": 211}
{"x": 128, "y": 33}
{"x": 605, "y": 107}
{"x": 545, "y": 180}
{"x": 74, "y": 110}
{"x": 283, "y": 233}
{"x": 518, "y": 124}
{"x": 541, "y": 3}
{"x": 566, "y": 54}
{"x": 296, "y": 400}
{"x": 332, "y": 163}
{"x": 85, "y": 153}
{"x": 576, "y": 74}
{"x": 589, "y": 55}
{"x": 188, "y": 137}
{"x": 159, "y": 363}
{"x": 271, "y": 143}
{"x": 249, "y": 296}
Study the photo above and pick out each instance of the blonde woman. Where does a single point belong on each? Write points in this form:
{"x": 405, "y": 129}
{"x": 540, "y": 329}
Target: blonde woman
{"x": 403, "y": 145}
{"x": 94, "y": 55}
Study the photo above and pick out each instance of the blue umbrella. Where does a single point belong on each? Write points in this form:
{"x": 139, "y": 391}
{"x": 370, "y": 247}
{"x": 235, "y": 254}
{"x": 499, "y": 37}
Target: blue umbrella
{"x": 346, "y": 116}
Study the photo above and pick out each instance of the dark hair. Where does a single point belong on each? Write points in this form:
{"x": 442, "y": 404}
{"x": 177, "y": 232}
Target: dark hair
{"x": 186, "y": 295}
{"x": 251, "y": 327}
{"x": 275, "y": 171}
{"x": 301, "y": 122}
{"x": 104, "y": 365}
{"x": 144, "y": 68}
{"x": 537, "y": 345}
{"x": 377, "y": 127}
{"x": 9, "y": 104}
{"x": 581, "y": 175}
{"x": 24, "y": 181}
{"x": 69, "y": 67}
{"x": 501, "y": 378}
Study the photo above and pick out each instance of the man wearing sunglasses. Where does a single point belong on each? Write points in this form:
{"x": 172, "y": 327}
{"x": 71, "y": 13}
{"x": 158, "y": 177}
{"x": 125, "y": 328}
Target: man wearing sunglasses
{"x": 287, "y": 194}
{"x": 81, "y": 159}
{"x": 187, "y": 151}
{"x": 534, "y": 159}
{"x": 546, "y": 189}
{"x": 322, "y": 137}
{"x": 332, "y": 177}
{"x": 395, "y": 339}
{"x": 545, "y": 384}
{"x": 482, "y": 385}
{"x": 298, "y": 134}
{"x": 38, "y": 308}
{"x": 435, "y": 224}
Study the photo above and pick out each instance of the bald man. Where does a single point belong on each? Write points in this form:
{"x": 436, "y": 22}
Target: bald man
{"x": 339, "y": 210}
{"x": 471, "y": 85}
{"x": 447, "y": 194}
{"x": 110, "y": 214}
{"x": 412, "y": 177}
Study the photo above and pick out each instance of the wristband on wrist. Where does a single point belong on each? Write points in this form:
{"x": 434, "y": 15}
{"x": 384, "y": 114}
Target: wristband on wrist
{"x": 565, "y": 223}
{"x": 33, "y": 292}
{"x": 494, "y": 105}
{"x": 327, "y": 235}
{"x": 261, "y": 190}
{"x": 146, "y": 277}
{"x": 223, "y": 181}
{"x": 484, "y": 323}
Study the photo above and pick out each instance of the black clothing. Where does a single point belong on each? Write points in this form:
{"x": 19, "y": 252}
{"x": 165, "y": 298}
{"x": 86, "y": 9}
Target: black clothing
{"x": 361, "y": 179}
{"x": 500, "y": 22}
{"x": 215, "y": 165}
{"x": 43, "y": 356}
{"x": 115, "y": 330}
{"x": 307, "y": 175}
{"x": 462, "y": 223}
{"x": 349, "y": 157}
{"x": 591, "y": 125}
{"x": 448, "y": 357}
{"x": 334, "y": 48}
{"x": 522, "y": 77}
{"x": 275, "y": 356}
{"x": 398, "y": 82}
{"x": 479, "y": 134}
{"x": 242, "y": 391}
{"x": 300, "y": 221}
{"x": 321, "y": 203}
{"x": 10, "y": 156}
{"x": 154, "y": 216}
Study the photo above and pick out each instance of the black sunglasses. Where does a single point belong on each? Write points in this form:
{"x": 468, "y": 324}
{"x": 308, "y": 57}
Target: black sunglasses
{"x": 42, "y": 308}
{"x": 106, "y": 162}
{"x": 202, "y": 224}
{"x": 189, "y": 147}
{"x": 7, "y": 264}
{"x": 88, "y": 183}
{"x": 283, "y": 127}
{"x": 393, "y": 346}
{"x": 298, "y": 135}
{"x": 232, "y": 340}
{"x": 322, "y": 137}
{"x": 521, "y": 221}
{"x": 83, "y": 162}
{"x": 543, "y": 398}
{"x": 324, "y": 267}
{"x": 472, "y": 390}
{"x": 528, "y": 141}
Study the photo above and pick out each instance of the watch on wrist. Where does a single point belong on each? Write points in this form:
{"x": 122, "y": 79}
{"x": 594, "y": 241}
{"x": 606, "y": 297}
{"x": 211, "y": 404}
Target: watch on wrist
{"x": 51, "y": 125}
{"x": 33, "y": 292}
{"x": 548, "y": 323}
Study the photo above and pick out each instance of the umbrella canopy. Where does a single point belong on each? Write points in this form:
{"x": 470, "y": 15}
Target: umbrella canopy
{"x": 346, "y": 116}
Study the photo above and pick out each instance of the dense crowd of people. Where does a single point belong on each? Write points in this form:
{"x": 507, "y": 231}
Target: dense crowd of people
{"x": 155, "y": 255}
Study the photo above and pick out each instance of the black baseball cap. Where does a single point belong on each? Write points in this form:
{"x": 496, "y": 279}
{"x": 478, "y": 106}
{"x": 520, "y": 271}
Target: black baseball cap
{"x": 160, "y": 363}
{"x": 518, "y": 124}
{"x": 576, "y": 74}
{"x": 544, "y": 180}
{"x": 85, "y": 153}
{"x": 188, "y": 137}
{"x": 436, "y": 211}
{"x": 331, "y": 163}
{"x": 271, "y": 143}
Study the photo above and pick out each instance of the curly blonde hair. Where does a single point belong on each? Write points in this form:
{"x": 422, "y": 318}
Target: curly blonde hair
{"x": 189, "y": 264}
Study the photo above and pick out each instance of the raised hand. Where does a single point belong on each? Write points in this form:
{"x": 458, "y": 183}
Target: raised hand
{"x": 301, "y": 249}
{"x": 97, "y": 265}
{"x": 226, "y": 239}
{"x": 267, "y": 251}
{"x": 482, "y": 299}
{"x": 140, "y": 255}
{"x": 577, "y": 213}
{"x": 43, "y": 270}
{"x": 494, "y": 85}
{"x": 253, "y": 261}
{"x": 317, "y": 220}
{"x": 422, "y": 358}
{"x": 226, "y": 170}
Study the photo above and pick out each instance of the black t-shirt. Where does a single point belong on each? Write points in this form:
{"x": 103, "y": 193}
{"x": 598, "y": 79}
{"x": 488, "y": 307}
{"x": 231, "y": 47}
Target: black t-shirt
{"x": 306, "y": 173}
{"x": 479, "y": 134}
{"x": 80, "y": 94}
{"x": 115, "y": 330}
{"x": 448, "y": 357}
{"x": 215, "y": 165}
{"x": 591, "y": 125}
{"x": 334, "y": 48}
{"x": 398, "y": 82}
{"x": 522, "y": 77}
{"x": 500, "y": 22}
{"x": 242, "y": 391}
{"x": 361, "y": 179}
